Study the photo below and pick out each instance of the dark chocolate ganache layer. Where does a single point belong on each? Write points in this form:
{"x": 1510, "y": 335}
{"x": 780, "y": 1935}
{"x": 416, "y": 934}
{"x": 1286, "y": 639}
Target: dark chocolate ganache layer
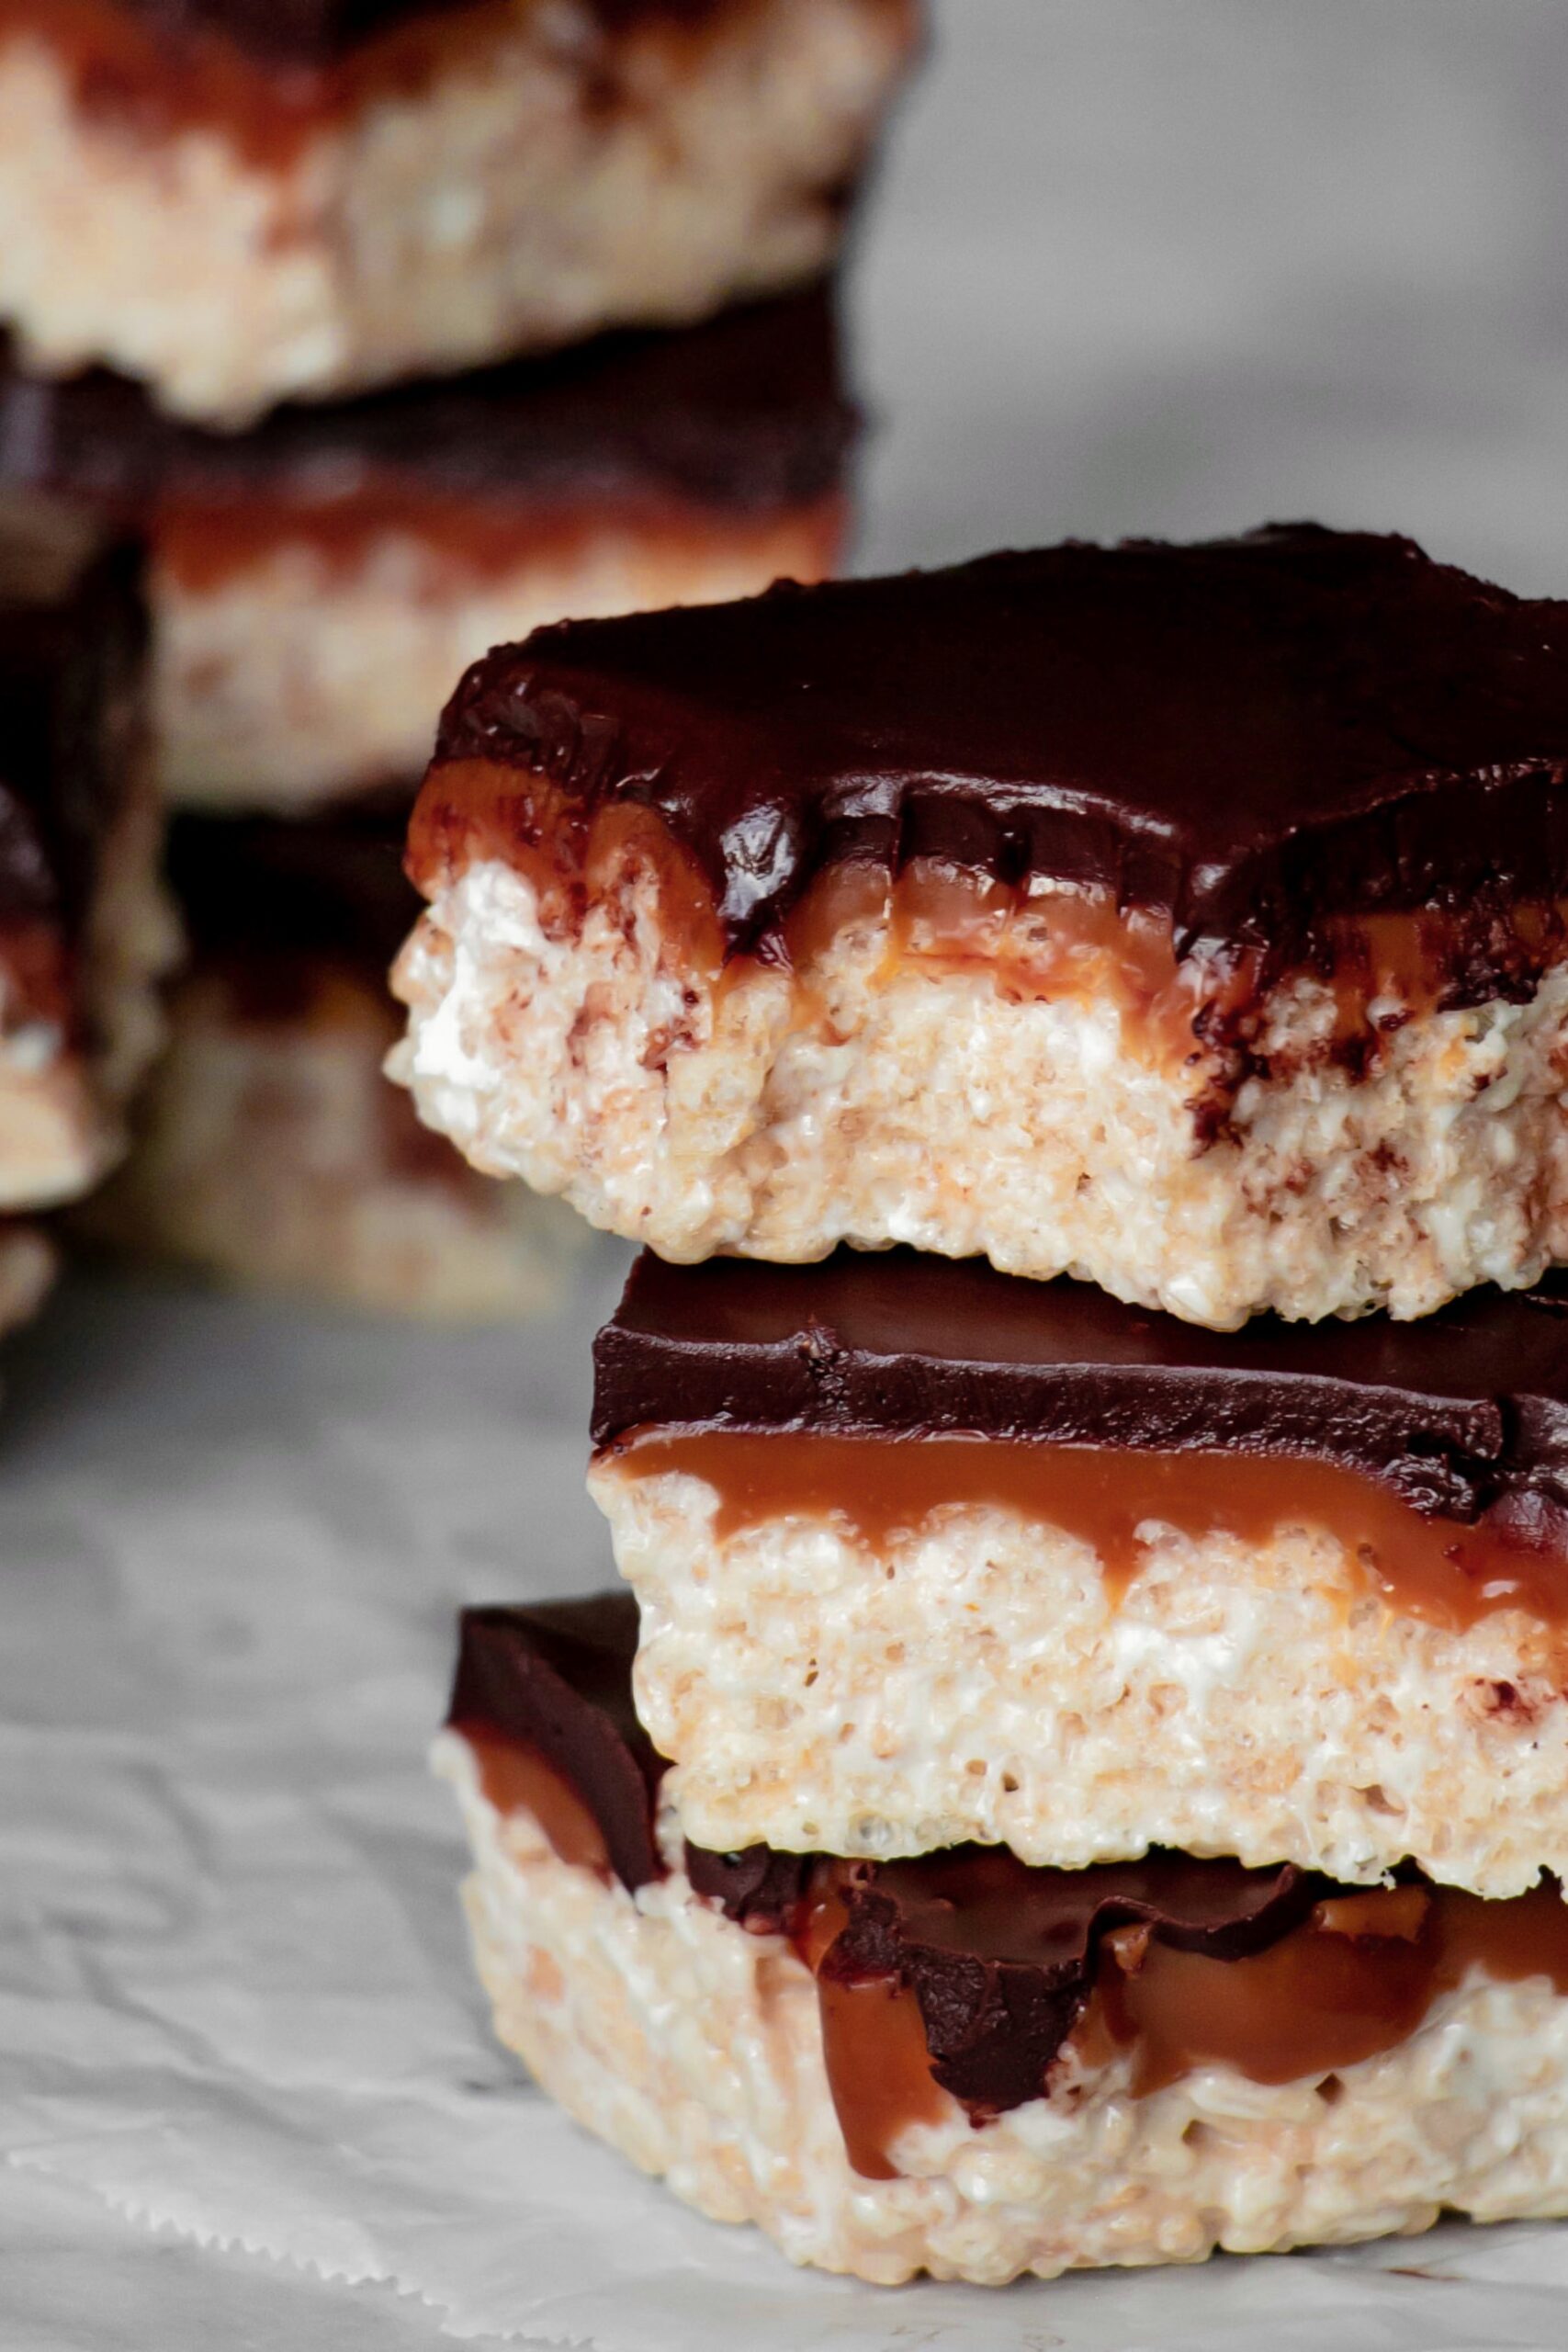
{"x": 966, "y": 1971}
{"x": 73, "y": 645}
{"x": 746, "y": 412}
{"x": 1460, "y": 1414}
{"x": 1252, "y": 737}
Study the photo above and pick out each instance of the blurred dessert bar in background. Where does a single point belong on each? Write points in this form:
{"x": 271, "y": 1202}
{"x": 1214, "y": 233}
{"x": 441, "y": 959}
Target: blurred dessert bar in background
{"x": 1189, "y": 918}
{"x": 926, "y": 1552}
{"x": 241, "y": 204}
{"x": 85, "y": 932}
{"x": 318, "y": 585}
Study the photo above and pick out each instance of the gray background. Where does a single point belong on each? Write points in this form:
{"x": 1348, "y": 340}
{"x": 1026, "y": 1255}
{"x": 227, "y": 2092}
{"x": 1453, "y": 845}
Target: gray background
{"x": 1153, "y": 265}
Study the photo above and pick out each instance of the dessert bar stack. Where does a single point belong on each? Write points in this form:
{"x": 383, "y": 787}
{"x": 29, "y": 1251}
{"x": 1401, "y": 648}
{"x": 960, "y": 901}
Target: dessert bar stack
{"x": 1080, "y": 1774}
{"x": 482, "y": 241}
{"x": 84, "y": 933}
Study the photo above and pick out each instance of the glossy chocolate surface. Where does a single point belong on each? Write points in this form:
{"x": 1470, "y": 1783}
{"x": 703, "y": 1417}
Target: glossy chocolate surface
{"x": 71, "y": 647}
{"x": 1463, "y": 1412}
{"x": 1251, "y": 736}
{"x": 746, "y": 412}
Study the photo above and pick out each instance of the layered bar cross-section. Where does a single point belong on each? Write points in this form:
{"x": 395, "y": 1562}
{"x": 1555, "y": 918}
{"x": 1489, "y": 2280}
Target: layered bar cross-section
{"x": 1190, "y": 919}
{"x": 926, "y": 1553}
{"x": 268, "y": 1148}
{"x": 962, "y": 2064}
{"x": 242, "y": 205}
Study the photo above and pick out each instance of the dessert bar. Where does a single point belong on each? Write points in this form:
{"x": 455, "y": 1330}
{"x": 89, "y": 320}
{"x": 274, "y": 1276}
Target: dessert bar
{"x": 241, "y": 205}
{"x": 1189, "y": 918}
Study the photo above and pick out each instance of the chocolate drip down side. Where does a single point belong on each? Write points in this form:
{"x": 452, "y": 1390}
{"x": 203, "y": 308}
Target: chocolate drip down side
{"x": 1253, "y": 738}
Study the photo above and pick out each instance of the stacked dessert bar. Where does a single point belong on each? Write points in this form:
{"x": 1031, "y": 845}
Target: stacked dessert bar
{"x": 1081, "y": 1775}
{"x": 243, "y": 206}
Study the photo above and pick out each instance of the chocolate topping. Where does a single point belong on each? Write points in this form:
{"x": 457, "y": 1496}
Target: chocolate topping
{"x": 1463, "y": 1412}
{"x": 745, "y": 413}
{"x": 1251, "y": 735}
{"x": 71, "y": 646}
{"x": 1002, "y": 1957}
{"x": 316, "y": 32}
{"x": 557, "y": 1677}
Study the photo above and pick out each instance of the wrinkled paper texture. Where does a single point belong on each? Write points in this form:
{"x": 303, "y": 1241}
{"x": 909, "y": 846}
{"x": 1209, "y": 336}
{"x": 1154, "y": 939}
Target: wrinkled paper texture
{"x": 234, "y": 1995}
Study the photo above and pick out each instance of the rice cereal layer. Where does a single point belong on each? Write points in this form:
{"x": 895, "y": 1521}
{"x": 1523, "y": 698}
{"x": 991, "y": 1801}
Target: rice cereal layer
{"x": 979, "y": 1676}
{"x": 694, "y": 2046}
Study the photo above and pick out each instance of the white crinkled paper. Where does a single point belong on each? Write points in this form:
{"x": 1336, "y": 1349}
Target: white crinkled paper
{"x": 234, "y": 1995}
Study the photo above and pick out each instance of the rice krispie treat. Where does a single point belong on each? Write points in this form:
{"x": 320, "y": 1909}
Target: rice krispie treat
{"x": 960, "y": 2064}
{"x": 317, "y": 585}
{"x": 84, "y": 929}
{"x": 243, "y": 204}
{"x": 1190, "y": 919}
{"x": 927, "y": 1554}
{"x": 268, "y": 1148}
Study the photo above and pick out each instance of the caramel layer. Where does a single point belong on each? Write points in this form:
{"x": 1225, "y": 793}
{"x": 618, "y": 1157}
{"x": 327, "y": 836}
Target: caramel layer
{"x": 1037, "y": 940}
{"x": 1357, "y": 1979}
{"x": 517, "y": 1778}
{"x": 1437, "y": 1569}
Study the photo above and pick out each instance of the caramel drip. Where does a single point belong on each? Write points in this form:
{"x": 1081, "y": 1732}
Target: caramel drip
{"x": 1037, "y": 942}
{"x": 1436, "y": 1569}
{"x": 1358, "y": 1979}
{"x": 39, "y": 971}
{"x": 517, "y": 1778}
{"x": 204, "y": 540}
{"x": 474, "y": 811}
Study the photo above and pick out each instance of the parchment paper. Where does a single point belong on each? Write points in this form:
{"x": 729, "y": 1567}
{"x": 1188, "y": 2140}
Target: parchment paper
{"x": 1134, "y": 267}
{"x": 234, "y": 1997}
